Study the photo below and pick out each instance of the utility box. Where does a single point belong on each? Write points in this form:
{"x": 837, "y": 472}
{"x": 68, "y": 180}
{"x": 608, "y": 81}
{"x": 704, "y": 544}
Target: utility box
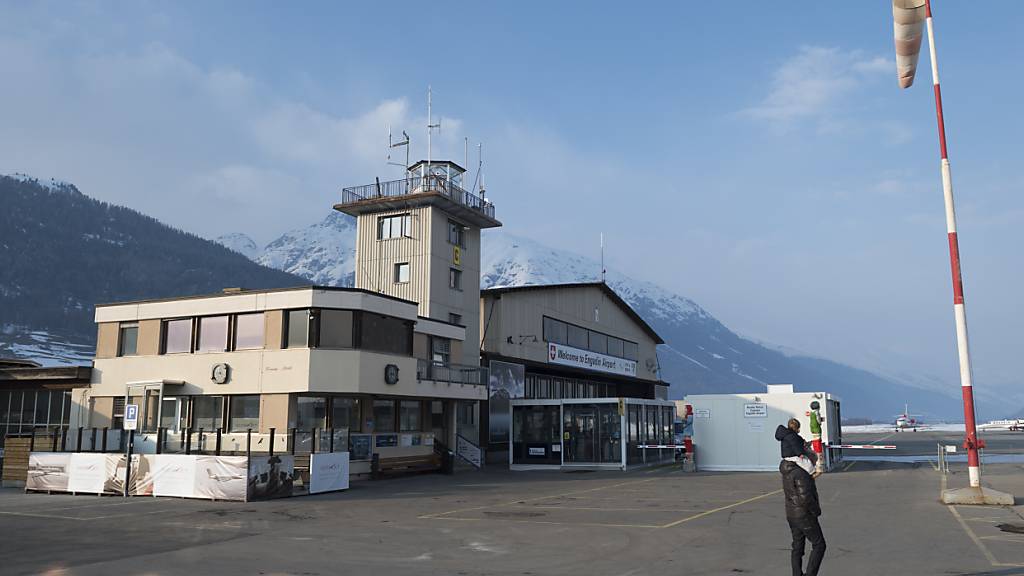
{"x": 736, "y": 432}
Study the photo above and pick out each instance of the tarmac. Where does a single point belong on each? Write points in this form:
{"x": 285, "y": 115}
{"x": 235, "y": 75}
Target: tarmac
{"x": 879, "y": 518}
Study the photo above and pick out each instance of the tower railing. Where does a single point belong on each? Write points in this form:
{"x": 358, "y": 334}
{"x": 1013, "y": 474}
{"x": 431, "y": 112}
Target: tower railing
{"x": 434, "y": 184}
{"x": 451, "y": 373}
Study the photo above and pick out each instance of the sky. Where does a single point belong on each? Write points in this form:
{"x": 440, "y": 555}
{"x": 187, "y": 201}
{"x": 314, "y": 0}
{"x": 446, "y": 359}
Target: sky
{"x": 757, "y": 157}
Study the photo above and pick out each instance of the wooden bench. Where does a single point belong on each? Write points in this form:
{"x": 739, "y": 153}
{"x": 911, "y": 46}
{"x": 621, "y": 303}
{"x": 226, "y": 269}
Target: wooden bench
{"x": 380, "y": 467}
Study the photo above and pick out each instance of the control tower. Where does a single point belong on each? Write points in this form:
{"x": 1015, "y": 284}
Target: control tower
{"x": 418, "y": 238}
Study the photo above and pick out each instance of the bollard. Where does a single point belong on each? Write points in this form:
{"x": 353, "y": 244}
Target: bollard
{"x": 218, "y": 442}
{"x": 188, "y": 441}
{"x": 248, "y": 443}
{"x": 32, "y": 440}
{"x": 312, "y": 442}
{"x": 332, "y": 439}
{"x": 201, "y": 444}
{"x": 63, "y": 439}
{"x": 271, "y": 447}
{"x": 294, "y": 434}
{"x": 92, "y": 440}
{"x": 78, "y": 443}
{"x": 160, "y": 439}
{"x": 104, "y": 439}
{"x": 56, "y": 435}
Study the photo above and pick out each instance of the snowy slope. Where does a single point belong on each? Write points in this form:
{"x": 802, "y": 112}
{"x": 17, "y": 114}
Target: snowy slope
{"x": 240, "y": 243}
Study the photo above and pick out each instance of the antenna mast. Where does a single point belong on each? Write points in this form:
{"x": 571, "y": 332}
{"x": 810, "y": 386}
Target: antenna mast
{"x": 430, "y": 126}
{"x": 602, "y": 259}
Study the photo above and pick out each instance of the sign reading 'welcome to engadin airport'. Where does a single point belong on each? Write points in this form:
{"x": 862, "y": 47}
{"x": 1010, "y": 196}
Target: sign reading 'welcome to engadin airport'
{"x": 569, "y": 356}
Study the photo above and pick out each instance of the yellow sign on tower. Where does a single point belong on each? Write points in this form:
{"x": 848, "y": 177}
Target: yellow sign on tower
{"x": 457, "y": 255}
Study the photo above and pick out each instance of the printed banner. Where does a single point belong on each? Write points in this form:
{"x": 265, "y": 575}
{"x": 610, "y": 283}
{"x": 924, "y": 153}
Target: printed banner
{"x": 505, "y": 381}
{"x": 328, "y": 472}
{"x": 220, "y": 477}
{"x": 569, "y": 356}
{"x": 48, "y": 471}
{"x": 271, "y": 477}
{"x": 87, "y": 473}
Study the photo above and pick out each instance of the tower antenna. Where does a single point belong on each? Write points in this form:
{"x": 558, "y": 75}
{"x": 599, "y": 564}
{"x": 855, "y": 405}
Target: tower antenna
{"x": 479, "y": 169}
{"x": 393, "y": 144}
{"x": 430, "y": 126}
{"x": 603, "y": 271}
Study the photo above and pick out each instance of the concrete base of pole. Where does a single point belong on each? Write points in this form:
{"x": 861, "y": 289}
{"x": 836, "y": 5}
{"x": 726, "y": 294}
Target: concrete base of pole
{"x": 976, "y": 496}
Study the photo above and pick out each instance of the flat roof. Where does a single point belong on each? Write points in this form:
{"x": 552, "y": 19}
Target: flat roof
{"x": 601, "y": 285}
{"x": 243, "y": 292}
{"x": 45, "y": 376}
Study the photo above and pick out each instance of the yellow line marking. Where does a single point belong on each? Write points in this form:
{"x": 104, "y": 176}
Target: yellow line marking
{"x": 550, "y": 522}
{"x": 709, "y": 512}
{"x": 650, "y": 509}
{"x": 850, "y": 465}
{"x": 1002, "y": 538}
{"x": 539, "y": 498}
{"x": 974, "y": 537}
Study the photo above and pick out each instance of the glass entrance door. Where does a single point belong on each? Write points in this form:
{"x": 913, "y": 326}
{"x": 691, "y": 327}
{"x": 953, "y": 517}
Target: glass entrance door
{"x": 593, "y": 433}
{"x": 581, "y": 427}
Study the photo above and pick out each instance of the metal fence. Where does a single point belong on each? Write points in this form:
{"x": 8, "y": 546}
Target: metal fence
{"x": 452, "y": 373}
{"x": 418, "y": 185}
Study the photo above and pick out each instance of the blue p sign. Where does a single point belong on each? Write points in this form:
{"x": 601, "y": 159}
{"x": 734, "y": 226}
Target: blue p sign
{"x": 131, "y": 416}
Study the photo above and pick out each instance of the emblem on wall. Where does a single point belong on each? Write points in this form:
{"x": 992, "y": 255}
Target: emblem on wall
{"x": 391, "y": 374}
{"x": 220, "y": 374}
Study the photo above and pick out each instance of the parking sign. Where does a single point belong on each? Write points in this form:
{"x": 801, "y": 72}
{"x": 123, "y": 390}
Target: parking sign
{"x": 131, "y": 417}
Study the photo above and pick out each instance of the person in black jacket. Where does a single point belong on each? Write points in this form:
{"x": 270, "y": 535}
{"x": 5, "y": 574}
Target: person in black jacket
{"x": 802, "y": 506}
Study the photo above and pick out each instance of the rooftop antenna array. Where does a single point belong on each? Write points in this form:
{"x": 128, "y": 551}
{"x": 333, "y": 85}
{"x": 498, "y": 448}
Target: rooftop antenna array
{"x": 392, "y": 144}
{"x": 479, "y": 170}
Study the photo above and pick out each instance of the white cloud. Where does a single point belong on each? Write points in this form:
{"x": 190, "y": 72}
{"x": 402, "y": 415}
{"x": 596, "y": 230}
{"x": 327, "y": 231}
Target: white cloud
{"x": 815, "y": 84}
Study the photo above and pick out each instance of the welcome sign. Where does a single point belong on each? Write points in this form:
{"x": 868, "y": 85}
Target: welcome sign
{"x": 569, "y": 356}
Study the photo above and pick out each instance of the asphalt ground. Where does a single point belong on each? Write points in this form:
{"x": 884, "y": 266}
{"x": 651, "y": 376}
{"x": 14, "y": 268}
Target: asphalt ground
{"x": 879, "y": 518}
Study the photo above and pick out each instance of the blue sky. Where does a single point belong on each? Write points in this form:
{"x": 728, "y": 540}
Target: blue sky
{"x": 757, "y": 157}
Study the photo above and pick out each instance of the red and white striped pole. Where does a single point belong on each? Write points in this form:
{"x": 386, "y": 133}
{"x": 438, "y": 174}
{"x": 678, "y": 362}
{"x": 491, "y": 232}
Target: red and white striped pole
{"x": 971, "y": 443}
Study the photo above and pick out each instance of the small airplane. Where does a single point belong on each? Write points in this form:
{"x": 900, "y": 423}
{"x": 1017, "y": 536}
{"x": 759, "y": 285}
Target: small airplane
{"x": 908, "y": 421}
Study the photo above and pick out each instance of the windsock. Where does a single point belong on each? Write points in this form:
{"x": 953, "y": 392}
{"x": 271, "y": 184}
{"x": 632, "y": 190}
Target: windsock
{"x": 908, "y": 24}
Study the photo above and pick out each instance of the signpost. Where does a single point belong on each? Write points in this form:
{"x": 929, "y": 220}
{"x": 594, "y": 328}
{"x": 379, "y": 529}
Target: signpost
{"x": 131, "y": 424}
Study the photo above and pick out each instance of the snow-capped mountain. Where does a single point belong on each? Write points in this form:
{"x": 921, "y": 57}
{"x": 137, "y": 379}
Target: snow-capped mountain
{"x": 240, "y": 243}
{"x": 701, "y": 355}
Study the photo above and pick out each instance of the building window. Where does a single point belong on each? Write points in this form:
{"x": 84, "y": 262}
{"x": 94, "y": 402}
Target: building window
{"x": 455, "y": 279}
{"x": 128, "y": 339}
{"x": 402, "y": 273}
{"x": 455, "y": 318}
{"x": 456, "y": 233}
{"x": 297, "y": 330}
{"x": 311, "y": 412}
{"x": 249, "y": 331}
{"x": 441, "y": 350}
{"x": 336, "y": 329}
{"x": 177, "y": 336}
{"x": 598, "y": 343}
{"x": 409, "y": 413}
{"x": 244, "y": 412}
{"x": 577, "y": 337}
{"x": 207, "y": 412}
{"x": 614, "y": 347}
{"x": 117, "y": 413}
{"x": 345, "y": 414}
{"x": 555, "y": 331}
{"x": 213, "y": 334}
{"x": 630, "y": 350}
{"x": 383, "y": 416}
{"x": 397, "y": 226}
{"x": 385, "y": 334}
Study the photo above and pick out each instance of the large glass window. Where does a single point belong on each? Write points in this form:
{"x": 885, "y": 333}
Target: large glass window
{"x": 455, "y": 279}
{"x": 614, "y": 346}
{"x": 128, "y": 339}
{"x": 397, "y": 226}
{"x": 598, "y": 343}
{"x": 555, "y": 331}
{"x": 213, "y": 334}
{"x": 177, "y": 336}
{"x": 345, "y": 414}
{"x": 42, "y": 407}
{"x": 207, "y": 412}
{"x": 442, "y": 350}
{"x": 249, "y": 331}
{"x": 297, "y": 335}
{"x": 336, "y": 329}
{"x": 577, "y": 337}
{"x": 630, "y": 350}
{"x": 385, "y": 334}
{"x": 409, "y": 413}
{"x": 311, "y": 412}
{"x": 244, "y": 412}
{"x": 383, "y": 416}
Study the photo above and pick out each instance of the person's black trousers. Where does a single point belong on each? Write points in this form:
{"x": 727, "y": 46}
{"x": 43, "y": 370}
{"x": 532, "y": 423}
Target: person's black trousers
{"x": 806, "y": 528}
